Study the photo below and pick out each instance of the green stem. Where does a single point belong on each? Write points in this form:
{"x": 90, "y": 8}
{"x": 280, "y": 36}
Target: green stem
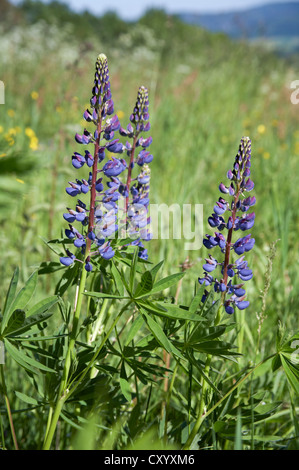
{"x": 4, "y": 391}
{"x": 63, "y": 392}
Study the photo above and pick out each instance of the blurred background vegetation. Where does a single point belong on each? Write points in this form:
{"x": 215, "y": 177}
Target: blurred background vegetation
{"x": 206, "y": 91}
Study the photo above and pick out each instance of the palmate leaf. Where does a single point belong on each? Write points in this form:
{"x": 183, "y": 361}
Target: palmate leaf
{"x": 160, "y": 336}
{"x": 21, "y": 322}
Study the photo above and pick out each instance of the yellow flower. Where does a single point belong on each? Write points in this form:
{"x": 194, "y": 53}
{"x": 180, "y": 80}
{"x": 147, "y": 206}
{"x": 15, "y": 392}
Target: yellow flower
{"x": 11, "y": 131}
{"x": 120, "y": 114}
{"x": 2, "y": 155}
{"x": 10, "y": 112}
{"x": 9, "y": 138}
{"x": 33, "y": 145}
{"x": 20, "y": 181}
{"x": 58, "y": 109}
{"x": 29, "y": 132}
{"x": 34, "y": 95}
{"x": 266, "y": 155}
{"x": 261, "y": 129}
{"x": 10, "y": 141}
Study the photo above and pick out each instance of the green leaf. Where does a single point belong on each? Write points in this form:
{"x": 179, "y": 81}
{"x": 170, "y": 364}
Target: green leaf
{"x": 42, "y": 306}
{"x": 136, "y": 326}
{"x": 215, "y": 348}
{"x": 160, "y": 336}
{"x": 25, "y": 398}
{"x": 124, "y": 384}
{"x": 133, "y": 268}
{"x": 68, "y": 278}
{"x": 292, "y": 373}
{"x": 276, "y": 362}
{"x": 47, "y": 267}
{"x": 156, "y": 268}
{"x": 25, "y": 361}
{"x": 167, "y": 310}
{"x": 9, "y": 298}
{"x": 103, "y": 295}
{"x": 201, "y": 334}
{"x": 30, "y": 322}
{"x": 35, "y": 339}
{"x": 117, "y": 279}
{"x": 167, "y": 282}
{"x": 145, "y": 285}
{"x": 21, "y": 300}
{"x": 25, "y": 294}
{"x": 197, "y": 299}
{"x": 15, "y": 322}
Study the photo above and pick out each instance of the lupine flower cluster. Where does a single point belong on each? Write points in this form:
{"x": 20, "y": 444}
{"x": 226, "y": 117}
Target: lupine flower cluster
{"x": 116, "y": 202}
{"x": 233, "y": 273}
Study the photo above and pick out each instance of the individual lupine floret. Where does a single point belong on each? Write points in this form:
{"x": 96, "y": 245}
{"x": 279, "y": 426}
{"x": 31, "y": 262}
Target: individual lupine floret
{"x": 238, "y": 219}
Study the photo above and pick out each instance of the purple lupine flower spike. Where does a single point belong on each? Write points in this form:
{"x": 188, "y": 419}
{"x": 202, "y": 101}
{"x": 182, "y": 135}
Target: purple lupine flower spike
{"x": 100, "y": 115}
{"x": 238, "y": 219}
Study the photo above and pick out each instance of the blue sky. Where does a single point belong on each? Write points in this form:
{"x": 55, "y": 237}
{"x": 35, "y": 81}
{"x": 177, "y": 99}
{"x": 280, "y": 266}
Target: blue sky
{"x": 133, "y": 9}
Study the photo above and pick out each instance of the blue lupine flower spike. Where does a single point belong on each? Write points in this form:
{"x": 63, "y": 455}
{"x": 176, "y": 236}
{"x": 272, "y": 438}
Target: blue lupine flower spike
{"x": 100, "y": 114}
{"x": 232, "y": 295}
